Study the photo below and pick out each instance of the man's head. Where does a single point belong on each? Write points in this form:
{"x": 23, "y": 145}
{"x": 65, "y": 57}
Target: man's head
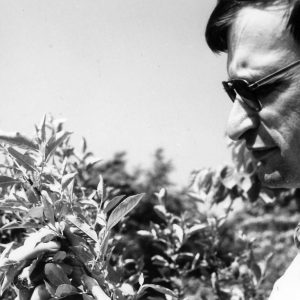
{"x": 260, "y": 38}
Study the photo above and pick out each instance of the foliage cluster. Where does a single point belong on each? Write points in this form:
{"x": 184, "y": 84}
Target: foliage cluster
{"x": 69, "y": 230}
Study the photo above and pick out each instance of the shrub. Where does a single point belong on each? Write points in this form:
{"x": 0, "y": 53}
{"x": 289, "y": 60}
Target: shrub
{"x": 69, "y": 226}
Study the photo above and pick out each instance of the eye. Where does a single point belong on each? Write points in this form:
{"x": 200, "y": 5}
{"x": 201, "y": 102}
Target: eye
{"x": 268, "y": 89}
{"x": 265, "y": 90}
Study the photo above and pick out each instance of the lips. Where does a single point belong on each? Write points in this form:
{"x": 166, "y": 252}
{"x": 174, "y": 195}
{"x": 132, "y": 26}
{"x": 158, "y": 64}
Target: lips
{"x": 261, "y": 154}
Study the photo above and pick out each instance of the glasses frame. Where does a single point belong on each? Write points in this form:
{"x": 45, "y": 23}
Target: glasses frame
{"x": 249, "y": 96}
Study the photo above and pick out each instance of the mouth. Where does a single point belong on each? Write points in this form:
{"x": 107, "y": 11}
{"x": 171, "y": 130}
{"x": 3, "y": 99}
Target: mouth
{"x": 261, "y": 154}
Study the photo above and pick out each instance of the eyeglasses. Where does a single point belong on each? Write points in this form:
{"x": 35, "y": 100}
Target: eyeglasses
{"x": 247, "y": 90}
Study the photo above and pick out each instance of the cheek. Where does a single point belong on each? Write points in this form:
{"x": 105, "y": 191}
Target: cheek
{"x": 282, "y": 120}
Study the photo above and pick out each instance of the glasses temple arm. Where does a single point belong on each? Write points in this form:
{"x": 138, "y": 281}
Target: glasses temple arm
{"x": 264, "y": 80}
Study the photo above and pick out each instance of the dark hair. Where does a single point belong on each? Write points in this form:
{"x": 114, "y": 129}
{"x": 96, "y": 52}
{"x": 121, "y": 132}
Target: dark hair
{"x": 224, "y": 14}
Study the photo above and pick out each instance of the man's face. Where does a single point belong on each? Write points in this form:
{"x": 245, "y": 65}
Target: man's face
{"x": 260, "y": 44}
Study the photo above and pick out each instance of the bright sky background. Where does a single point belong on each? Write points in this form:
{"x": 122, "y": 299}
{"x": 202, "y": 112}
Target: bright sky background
{"x": 129, "y": 75}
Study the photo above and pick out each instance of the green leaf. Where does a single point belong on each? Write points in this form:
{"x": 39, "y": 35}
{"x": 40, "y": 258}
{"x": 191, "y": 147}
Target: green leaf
{"x": 83, "y": 145}
{"x": 62, "y": 208}
{"x": 228, "y": 177}
{"x": 64, "y": 290}
{"x": 123, "y": 209}
{"x": 104, "y": 244}
{"x": 59, "y": 256}
{"x": 22, "y": 159}
{"x": 36, "y": 212}
{"x": 87, "y": 297}
{"x": 55, "y": 141}
{"x": 16, "y": 225}
{"x": 50, "y": 288}
{"x": 113, "y": 203}
{"x": 141, "y": 279}
{"x": 55, "y": 275}
{"x": 157, "y": 288}
{"x": 8, "y": 181}
{"x": 17, "y": 139}
{"x": 6, "y": 250}
{"x": 48, "y": 207}
{"x": 256, "y": 271}
{"x": 195, "y": 229}
{"x": 32, "y": 196}
{"x": 12, "y": 205}
{"x": 10, "y": 274}
{"x": 100, "y": 188}
{"x": 159, "y": 261}
{"x": 49, "y": 237}
{"x": 67, "y": 179}
{"x": 161, "y": 211}
{"x": 84, "y": 227}
{"x": 42, "y": 129}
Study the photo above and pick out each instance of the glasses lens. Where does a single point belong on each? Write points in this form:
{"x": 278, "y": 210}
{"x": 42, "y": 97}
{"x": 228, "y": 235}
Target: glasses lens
{"x": 241, "y": 87}
{"x": 248, "y": 96}
{"x": 229, "y": 90}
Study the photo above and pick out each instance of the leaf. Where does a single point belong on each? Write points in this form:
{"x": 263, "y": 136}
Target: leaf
{"x": 65, "y": 289}
{"x": 127, "y": 289}
{"x": 64, "y": 165}
{"x": 195, "y": 229}
{"x": 36, "y": 212}
{"x": 49, "y": 237}
{"x": 67, "y": 268}
{"x": 83, "y": 253}
{"x": 100, "y": 188}
{"x": 67, "y": 179}
{"x": 228, "y": 177}
{"x": 178, "y": 232}
{"x": 256, "y": 271}
{"x": 50, "y": 288}
{"x": 55, "y": 141}
{"x": 16, "y": 225}
{"x": 6, "y": 250}
{"x": 159, "y": 261}
{"x": 83, "y": 145}
{"x": 104, "y": 244}
{"x": 42, "y": 129}
{"x": 13, "y": 205}
{"x": 113, "y": 203}
{"x": 161, "y": 211}
{"x": 141, "y": 279}
{"x": 48, "y": 207}
{"x": 89, "y": 202}
{"x": 123, "y": 209}
{"x": 55, "y": 275}
{"x": 32, "y": 196}
{"x": 8, "y": 181}
{"x": 59, "y": 256}
{"x": 21, "y": 200}
{"x": 62, "y": 208}
{"x": 145, "y": 234}
{"x": 22, "y": 159}
{"x": 10, "y": 275}
{"x": 17, "y": 139}
{"x": 84, "y": 227}
{"x": 157, "y": 288}
{"x": 87, "y": 297}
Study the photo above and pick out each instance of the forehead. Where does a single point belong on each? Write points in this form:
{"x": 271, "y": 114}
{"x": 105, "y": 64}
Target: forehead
{"x": 259, "y": 37}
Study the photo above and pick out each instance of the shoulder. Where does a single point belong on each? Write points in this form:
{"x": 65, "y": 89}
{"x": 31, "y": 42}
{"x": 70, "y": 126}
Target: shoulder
{"x": 288, "y": 285}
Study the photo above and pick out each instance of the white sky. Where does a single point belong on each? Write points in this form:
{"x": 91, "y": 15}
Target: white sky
{"x": 129, "y": 75}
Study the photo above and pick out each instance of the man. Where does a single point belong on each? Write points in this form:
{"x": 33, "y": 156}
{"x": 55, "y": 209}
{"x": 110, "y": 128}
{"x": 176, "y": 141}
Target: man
{"x": 262, "y": 42}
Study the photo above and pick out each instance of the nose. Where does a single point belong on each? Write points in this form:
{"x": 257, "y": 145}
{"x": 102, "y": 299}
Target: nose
{"x": 241, "y": 120}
